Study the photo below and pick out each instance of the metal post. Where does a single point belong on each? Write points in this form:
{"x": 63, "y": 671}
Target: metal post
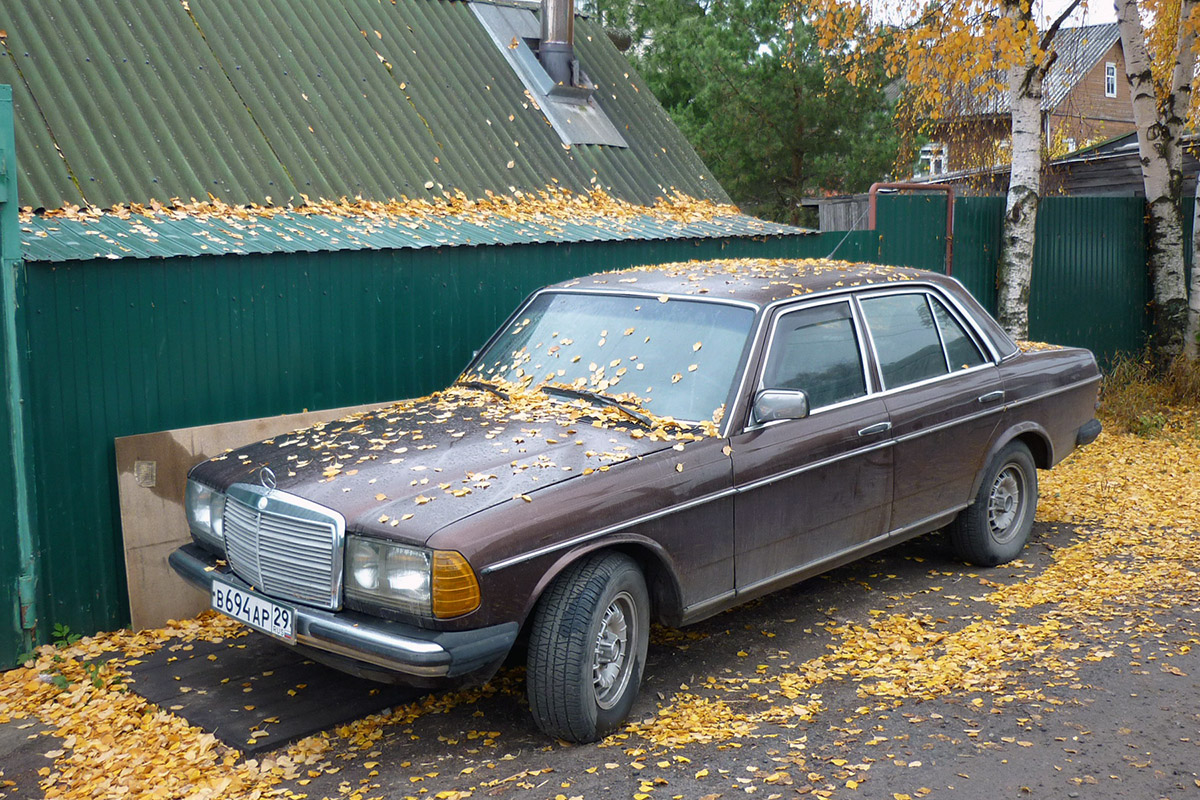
{"x": 14, "y": 390}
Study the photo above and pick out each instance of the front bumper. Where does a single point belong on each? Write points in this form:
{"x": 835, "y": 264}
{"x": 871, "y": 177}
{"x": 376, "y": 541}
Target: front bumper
{"x": 392, "y": 646}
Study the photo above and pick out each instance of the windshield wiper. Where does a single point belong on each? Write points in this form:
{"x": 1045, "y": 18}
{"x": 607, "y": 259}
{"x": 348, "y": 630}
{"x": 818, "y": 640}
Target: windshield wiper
{"x": 602, "y": 399}
{"x": 483, "y": 386}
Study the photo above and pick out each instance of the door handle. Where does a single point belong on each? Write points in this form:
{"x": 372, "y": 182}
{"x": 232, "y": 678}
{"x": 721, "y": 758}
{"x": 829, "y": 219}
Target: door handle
{"x": 991, "y": 397}
{"x": 878, "y": 427}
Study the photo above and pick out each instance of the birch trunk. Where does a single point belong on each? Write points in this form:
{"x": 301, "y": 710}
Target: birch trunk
{"x": 1191, "y": 344}
{"x": 1025, "y": 80}
{"x": 1159, "y": 127}
{"x": 1020, "y": 212}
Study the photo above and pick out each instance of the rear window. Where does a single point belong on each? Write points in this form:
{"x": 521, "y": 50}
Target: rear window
{"x": 906, "y": 338}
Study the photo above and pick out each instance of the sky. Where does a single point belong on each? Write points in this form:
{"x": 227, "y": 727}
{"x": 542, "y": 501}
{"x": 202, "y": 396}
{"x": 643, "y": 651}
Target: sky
{"x": 1099, "y": 11}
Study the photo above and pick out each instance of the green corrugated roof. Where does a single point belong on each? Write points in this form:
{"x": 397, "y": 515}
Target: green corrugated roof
{"x": 50, "y": 239}
{"x": 124, "y": 101}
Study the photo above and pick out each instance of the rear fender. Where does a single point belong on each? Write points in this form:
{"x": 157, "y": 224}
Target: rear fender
{"x": 1035, "y": 438}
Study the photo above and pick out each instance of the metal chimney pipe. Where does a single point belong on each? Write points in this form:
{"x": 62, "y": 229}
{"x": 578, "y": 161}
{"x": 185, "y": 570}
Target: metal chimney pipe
{"x": 557, "y": 48}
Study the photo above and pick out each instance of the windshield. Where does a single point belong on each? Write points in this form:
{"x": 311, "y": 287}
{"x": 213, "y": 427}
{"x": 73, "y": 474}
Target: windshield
{"x": 673, "y": 358}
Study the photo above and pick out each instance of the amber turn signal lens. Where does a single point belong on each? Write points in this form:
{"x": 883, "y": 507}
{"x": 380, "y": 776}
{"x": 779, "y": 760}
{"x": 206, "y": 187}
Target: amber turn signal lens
{"x": 455, "y": 590}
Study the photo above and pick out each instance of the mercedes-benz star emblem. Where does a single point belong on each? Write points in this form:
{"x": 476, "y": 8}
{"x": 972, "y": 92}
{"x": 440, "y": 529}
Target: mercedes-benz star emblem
{"x": 267, "y": 478}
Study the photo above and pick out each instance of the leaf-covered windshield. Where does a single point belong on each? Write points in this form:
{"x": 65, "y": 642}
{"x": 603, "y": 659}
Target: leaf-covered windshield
{"x": 671, "y": 357}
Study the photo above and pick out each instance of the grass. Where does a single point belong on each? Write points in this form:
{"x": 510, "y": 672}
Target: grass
{"x": 1138, "y": 398}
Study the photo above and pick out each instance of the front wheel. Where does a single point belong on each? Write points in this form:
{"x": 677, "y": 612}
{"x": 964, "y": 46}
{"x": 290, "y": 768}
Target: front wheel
{"x": 587, "y": 648}
{"x": 994, "y": 528}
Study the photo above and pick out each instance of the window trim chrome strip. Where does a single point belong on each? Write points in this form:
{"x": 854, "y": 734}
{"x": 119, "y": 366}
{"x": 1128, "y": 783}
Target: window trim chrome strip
{"x": 902, "y": 286}
{"x": 992, "y": 357}
{"x": 856, "y": 328}
{"x": 925, "y": 295}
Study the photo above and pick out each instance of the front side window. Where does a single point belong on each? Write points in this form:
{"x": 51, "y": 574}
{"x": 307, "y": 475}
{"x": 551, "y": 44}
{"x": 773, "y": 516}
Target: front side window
{"x": 816, "y": 350}
{"x": 1110, "y": 79}
{"x": 906, "y": 338}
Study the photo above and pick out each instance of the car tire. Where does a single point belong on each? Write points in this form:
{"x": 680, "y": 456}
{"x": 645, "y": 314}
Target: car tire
{"x": 587, "y": 648}
{"x": 994, "y": 528}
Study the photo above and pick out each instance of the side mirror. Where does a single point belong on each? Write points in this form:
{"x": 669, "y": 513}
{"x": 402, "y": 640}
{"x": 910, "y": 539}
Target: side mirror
{"x": 776, "y": 404}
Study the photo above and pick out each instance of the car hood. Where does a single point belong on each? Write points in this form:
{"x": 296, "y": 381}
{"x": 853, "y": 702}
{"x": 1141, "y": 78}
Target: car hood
{"x": 406, "y": 470}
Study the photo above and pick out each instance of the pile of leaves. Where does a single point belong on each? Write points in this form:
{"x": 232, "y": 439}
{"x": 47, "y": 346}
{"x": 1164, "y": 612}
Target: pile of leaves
{"x": 1133, "y": 502}
{"x": 1136, "y": 504}
{"x": 552, "y": 204}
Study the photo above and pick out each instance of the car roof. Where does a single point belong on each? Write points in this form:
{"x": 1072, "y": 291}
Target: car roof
{"x": 758, "y": 281}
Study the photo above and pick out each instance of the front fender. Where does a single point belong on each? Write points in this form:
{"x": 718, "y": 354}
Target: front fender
{"x": 657, "y": 566}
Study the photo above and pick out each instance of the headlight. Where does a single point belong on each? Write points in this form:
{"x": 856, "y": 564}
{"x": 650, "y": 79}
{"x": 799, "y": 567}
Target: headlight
{"x": 205, "y": 509}
{"x": 412, "y": 580}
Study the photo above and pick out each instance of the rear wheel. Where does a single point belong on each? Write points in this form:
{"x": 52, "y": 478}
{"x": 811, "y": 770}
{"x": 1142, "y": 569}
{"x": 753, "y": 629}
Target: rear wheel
{"x": 994, "y": 528}
{"x": 587, "y": 648}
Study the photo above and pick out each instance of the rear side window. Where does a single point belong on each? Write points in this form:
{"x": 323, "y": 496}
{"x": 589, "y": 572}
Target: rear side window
{"x": 816, "y": 350}
{"x": 906, "y": 338}
{"x": 961, "y": 351}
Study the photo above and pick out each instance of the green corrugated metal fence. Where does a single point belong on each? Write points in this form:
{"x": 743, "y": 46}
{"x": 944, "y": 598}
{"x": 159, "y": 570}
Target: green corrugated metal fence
{"x": 912, "y": 231}
{"x": 1089, "y": 274}
{"x": 977, "y": 224}
{"x": 1089, "y": 284}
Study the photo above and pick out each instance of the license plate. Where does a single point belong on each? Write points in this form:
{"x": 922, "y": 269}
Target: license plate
{"x": 257, "y": 612}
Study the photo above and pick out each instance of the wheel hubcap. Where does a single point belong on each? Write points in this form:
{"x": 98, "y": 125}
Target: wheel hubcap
{"x": 611, "y": 663}
{"x": 1006, "y": 503}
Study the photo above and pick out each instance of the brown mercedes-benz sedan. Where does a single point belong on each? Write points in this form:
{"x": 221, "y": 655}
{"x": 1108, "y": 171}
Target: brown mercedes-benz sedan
{"x": 659, "y": 443}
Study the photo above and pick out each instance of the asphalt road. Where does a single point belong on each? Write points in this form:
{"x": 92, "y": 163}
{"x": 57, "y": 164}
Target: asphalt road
{"x": 1050, "y": 703}
{"x": 1121, "y": 724}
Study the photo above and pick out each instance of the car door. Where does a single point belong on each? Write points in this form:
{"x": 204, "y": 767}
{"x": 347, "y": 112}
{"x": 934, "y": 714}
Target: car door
{"x": 943, "y": 398}
{"x": 809, "y": 489}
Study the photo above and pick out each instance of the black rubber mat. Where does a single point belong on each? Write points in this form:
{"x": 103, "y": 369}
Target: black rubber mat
{"x": 256, "y": 694}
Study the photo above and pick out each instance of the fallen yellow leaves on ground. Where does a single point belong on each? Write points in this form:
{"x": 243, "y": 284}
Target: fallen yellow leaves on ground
{"x": 114, "y": 743}
{"x": 1137, "y": 501}
{"x": 1127, "y": 482}
{"x": 1136, "y": 505}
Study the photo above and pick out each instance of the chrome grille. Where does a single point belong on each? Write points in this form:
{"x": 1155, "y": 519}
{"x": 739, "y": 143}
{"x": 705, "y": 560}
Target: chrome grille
{"x": 284, "y": 546}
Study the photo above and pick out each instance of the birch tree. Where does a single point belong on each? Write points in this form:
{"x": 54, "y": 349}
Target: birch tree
{"x": 1160, "y": 61}
{"x": 1191, "y": 344}
{"x": 949, "y": 49}
{"x": 1031, "y": 60}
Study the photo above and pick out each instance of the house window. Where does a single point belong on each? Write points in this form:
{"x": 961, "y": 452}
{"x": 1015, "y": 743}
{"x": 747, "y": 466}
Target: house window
{"x": 1110, "y": 79}
{"x": 933, "y": 159}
